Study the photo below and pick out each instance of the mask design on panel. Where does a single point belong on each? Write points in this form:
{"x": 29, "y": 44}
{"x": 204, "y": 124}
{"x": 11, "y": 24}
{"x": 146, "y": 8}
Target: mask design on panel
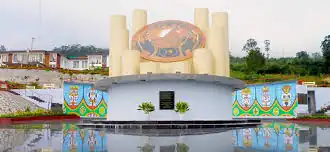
{"x": 246, "y": 95}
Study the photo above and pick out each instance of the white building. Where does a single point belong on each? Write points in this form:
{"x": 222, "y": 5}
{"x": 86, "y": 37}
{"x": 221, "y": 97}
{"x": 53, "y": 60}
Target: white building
{"x": 84, "y": 62}
{"x": 209, "y": 97}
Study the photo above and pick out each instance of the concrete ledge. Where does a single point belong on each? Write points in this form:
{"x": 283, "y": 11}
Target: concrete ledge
{"x": 170, "y": 124}
{"x": 34, "y": 119}
{"x": 167, "y": 132}
{"x": 106, "y": 83}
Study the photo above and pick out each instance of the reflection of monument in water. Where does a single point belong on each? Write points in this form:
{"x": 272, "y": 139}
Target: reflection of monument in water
{"x": 188, "y": 62}
{"x": 269, "y": 137}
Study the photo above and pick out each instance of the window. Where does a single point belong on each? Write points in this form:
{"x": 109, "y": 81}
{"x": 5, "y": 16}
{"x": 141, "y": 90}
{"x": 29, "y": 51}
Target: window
{"x": 166, "y": 100}
{"x": 84, "y": 64}
{"x": 302, "y": 98}
{"x": 98, "y": 59}
{"x": 4, "y": 58}
{"x": 40, "y": 58}
{"x": 15, "y": 58}
{"x": 75, "y": 64}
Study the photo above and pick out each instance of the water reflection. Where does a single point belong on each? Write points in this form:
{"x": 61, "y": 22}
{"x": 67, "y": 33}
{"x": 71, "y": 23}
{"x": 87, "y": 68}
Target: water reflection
{"x": 272, "y": 136}
{"x": 75, "y": 139}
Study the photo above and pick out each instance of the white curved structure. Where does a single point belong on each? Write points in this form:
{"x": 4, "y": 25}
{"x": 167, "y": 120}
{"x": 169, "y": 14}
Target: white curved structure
{"x": 209, "y": 97}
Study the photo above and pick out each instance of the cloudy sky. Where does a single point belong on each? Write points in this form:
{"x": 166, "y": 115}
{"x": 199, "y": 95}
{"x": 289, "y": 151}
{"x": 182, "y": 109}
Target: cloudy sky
{"x": 290, "y": 25}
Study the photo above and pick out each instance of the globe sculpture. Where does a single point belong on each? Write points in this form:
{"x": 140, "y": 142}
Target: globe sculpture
{"x": 168, "y": 41}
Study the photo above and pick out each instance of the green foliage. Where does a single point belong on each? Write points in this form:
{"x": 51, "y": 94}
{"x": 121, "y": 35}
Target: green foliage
{"x": 28, "y": 113}
{"x": 78, "y": 50}
{"x": 325, "y": 45}
{"x": 2, "y": 48}
{"x": 146, "y": 107}
{"x": 36, "y": 85}
{"x": 14, "y": 85}
{"x": 181, "y": 147}
{"x": 316, "y": 116}
{"x": 27, "y": 109}
{"x": 181, "y": 107}
{"x": 147, "y": 148}
{"x": 255, "y": 60}
{"x": 255, "y": 68}
{"x": 251, "y": 44}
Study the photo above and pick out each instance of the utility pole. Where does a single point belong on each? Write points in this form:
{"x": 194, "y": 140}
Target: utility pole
{"x": 31, "y": 48}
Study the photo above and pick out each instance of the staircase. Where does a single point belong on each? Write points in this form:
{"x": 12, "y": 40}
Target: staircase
{"x": 11, "y": 103}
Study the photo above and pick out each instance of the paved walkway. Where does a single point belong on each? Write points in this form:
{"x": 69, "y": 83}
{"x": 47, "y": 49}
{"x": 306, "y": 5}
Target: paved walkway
{"x": 12, "y": 103}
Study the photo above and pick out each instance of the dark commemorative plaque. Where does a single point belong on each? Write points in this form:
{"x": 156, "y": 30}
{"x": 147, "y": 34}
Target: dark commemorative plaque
{"x": 166, "y": 100}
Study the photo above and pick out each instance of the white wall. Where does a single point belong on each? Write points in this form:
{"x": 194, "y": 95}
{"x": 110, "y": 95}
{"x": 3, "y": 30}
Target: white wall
{"x": 69, "y": 65}
{"x": 323, "y": 135}
{"x": 321, "y": 96}
{"x": 95, "y": 60}
{"x": 207, "y": 101}
{"x": 53, "y": 95}
{"x": 217, "y": 142}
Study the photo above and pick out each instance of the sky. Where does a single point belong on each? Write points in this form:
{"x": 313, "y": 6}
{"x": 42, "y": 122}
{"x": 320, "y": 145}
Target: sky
{"x": 290, "y": 25}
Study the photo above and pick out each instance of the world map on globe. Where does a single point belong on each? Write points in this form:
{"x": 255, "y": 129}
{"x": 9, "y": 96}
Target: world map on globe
{"x": 168, "y": 41}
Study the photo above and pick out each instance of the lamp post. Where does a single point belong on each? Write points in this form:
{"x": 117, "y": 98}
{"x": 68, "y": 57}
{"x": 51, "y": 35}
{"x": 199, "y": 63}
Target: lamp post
{"x": 31, "y": 47}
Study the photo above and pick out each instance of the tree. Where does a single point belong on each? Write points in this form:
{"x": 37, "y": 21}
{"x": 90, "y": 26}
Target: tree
{"x": 325, "y": 46}
{"x": 317, "y": 56}
{"x": 255, "y": 61}
{"x": 251, "y": 44}
{"x": 267, "y": 48}
{"x": 2, "y": 48}
{"x": 302, "y": 55}
{"x": 78, "y": 50}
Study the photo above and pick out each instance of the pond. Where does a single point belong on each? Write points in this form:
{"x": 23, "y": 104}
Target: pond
{"x": 271, "y": 136}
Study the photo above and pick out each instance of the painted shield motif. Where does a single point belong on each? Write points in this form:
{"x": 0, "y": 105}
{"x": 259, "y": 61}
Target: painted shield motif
{"x": 168, "y": 41}
{"x": 92, "y": 97}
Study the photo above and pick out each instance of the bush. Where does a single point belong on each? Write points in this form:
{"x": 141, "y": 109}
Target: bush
{"x": 38, "y": 112}
{"x": 181, "y": 107}
{"x": 316, "y": 116}
{"x": 146, "y": 107}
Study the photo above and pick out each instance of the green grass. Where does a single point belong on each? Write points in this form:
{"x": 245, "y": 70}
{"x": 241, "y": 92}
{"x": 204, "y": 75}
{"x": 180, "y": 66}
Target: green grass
{"x": 266, "y": 78}
{"x": 28, "y": 113}
{"x": 316, "y": 116}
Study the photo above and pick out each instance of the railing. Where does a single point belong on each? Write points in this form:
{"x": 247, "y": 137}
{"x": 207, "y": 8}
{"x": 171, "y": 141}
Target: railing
{"x": 13, "y": 92}
{"x": 36, "y": 98}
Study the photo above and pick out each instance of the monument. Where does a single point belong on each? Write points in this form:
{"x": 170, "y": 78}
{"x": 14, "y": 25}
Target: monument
{"x": 177, "y": 59}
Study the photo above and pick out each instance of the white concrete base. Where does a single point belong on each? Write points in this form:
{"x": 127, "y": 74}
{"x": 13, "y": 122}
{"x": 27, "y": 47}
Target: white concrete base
{"x": 207, "y": 101}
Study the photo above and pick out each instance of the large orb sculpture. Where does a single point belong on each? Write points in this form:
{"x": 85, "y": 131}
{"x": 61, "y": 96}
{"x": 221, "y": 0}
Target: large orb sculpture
{"x": 168, "y": 41}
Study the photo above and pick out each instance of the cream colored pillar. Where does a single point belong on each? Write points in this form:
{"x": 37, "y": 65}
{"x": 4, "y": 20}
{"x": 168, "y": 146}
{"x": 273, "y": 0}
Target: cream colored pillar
{"x": 165, "y": 67}
{"x": 119, "y": 40}
{"x": 220, "y": 19}
{"x": 146, "y": 67}
{"x": 217, "y": 47}
{"x": 130, "y": 62}
{"x": 182, "y": 67}
{"x": 139, "y": 20}
{"x": 201, "y": 18}
{"x": 203, "y": 61}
